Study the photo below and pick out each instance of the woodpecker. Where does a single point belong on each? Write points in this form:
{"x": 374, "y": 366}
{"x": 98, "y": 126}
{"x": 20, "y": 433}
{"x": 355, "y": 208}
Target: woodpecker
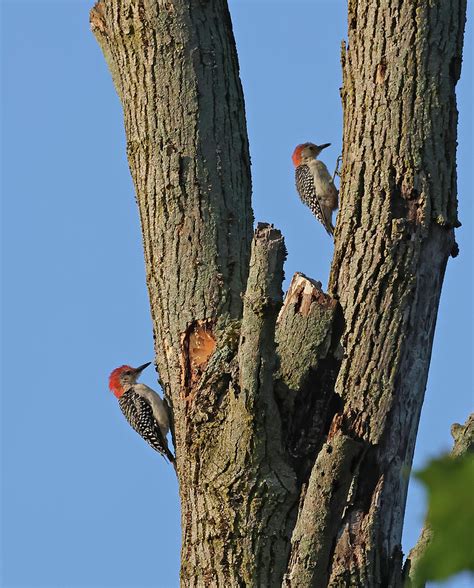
{"x": 314, "y": 183}
{"x": 143, "y": 408}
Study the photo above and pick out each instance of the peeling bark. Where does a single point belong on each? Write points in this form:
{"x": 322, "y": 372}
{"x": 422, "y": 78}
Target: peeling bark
{"x": 294, "y": 422}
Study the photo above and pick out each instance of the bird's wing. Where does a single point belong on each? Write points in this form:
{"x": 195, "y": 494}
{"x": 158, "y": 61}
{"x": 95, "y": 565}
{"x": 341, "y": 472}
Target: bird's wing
{"x": 305, "y": 184}
{"x": 324, "y": 184}
{"x": 322, "y": 170}
{"x": 160, "y": 411}
{"x": 139, "y": 413}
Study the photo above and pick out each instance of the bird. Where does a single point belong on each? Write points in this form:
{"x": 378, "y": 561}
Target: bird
{"x": 314, "y": 184}
{"x": 142, "y": 407}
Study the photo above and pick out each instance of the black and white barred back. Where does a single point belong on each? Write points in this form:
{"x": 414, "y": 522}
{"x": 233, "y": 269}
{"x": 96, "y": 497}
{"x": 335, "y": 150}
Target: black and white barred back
{"x": 139, "y": 414}
{"x": 307, "y": 192}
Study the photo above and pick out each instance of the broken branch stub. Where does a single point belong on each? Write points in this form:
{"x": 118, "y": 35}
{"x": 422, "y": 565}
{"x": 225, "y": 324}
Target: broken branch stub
{"x": 262, "y": 301}
{"x": 304, "y": 330}
{"x": 307, "y": 337}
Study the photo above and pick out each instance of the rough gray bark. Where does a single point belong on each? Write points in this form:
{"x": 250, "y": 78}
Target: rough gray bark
{"x": 295, "y": 421}
{"x": 394, "y": 236}
{"x": 322, "y": 510}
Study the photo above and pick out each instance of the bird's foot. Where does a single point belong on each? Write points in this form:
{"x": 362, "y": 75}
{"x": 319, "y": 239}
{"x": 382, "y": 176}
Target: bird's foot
{"x": 336, "y": 171}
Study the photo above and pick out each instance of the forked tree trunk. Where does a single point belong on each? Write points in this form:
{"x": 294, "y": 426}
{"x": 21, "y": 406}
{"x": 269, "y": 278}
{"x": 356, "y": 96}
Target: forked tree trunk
{"x": 294, "y": 425}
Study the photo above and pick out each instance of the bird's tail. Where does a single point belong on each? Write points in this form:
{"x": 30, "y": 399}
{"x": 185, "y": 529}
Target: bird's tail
{"x": 172, "y": 461}
{"x": 327, "y": 220}
{"x": 170, "y": 457}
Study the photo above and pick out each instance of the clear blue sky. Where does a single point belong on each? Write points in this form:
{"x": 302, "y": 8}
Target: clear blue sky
{"x": 85, "y": 502}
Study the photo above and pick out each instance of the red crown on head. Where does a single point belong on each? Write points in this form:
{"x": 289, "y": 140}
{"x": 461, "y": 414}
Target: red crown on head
{"x": 296, "y": 157}
{"x": 114, "y": 380}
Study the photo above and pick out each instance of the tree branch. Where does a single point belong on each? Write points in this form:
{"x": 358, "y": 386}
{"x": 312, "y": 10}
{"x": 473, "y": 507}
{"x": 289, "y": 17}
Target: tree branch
{"x": 463, "y": 436}
{"x": 321, "y": 514}
{"x": 307, "y": 335}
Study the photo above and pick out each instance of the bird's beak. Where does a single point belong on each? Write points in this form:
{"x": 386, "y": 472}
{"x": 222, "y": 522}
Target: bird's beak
{"x": 321, "y": 147}
{"x": 142, "y": 367}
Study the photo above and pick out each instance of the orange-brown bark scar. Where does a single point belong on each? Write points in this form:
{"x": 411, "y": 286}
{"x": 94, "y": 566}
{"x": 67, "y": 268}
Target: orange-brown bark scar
{"x": 198, "y": 344}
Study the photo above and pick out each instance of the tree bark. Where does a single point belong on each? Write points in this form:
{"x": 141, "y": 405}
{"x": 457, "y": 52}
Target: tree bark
{"x": 394, "y": 237}
{"x": 294, "y": 421}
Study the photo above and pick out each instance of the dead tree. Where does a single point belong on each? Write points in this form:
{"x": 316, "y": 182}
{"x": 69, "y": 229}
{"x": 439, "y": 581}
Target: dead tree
{"x": 294, "y": 420}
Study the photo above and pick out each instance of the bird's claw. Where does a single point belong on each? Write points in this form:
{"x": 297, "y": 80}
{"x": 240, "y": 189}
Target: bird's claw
{"x": 336, "y": 171}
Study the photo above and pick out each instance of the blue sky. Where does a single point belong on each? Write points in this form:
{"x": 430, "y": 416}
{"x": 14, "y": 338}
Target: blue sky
{"x": 85, "y": 503}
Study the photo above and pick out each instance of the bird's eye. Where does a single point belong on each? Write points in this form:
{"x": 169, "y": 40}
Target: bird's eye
{"x": 127, "y": 373}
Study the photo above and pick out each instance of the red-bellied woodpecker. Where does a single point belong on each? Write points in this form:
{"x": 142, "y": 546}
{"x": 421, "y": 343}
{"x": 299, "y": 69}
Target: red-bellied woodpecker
{"x": 314, "y": 183}
{"x": 142, "y": 407}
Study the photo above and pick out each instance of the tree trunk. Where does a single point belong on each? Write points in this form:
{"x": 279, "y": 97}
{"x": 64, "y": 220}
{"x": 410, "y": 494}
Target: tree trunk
{"x": 394, "y": 237}
{"x": 294, "y": 425}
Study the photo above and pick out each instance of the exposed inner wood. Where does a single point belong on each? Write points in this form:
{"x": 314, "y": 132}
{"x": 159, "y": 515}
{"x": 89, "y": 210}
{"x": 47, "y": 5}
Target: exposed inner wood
{"x": 198, "y": 344}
